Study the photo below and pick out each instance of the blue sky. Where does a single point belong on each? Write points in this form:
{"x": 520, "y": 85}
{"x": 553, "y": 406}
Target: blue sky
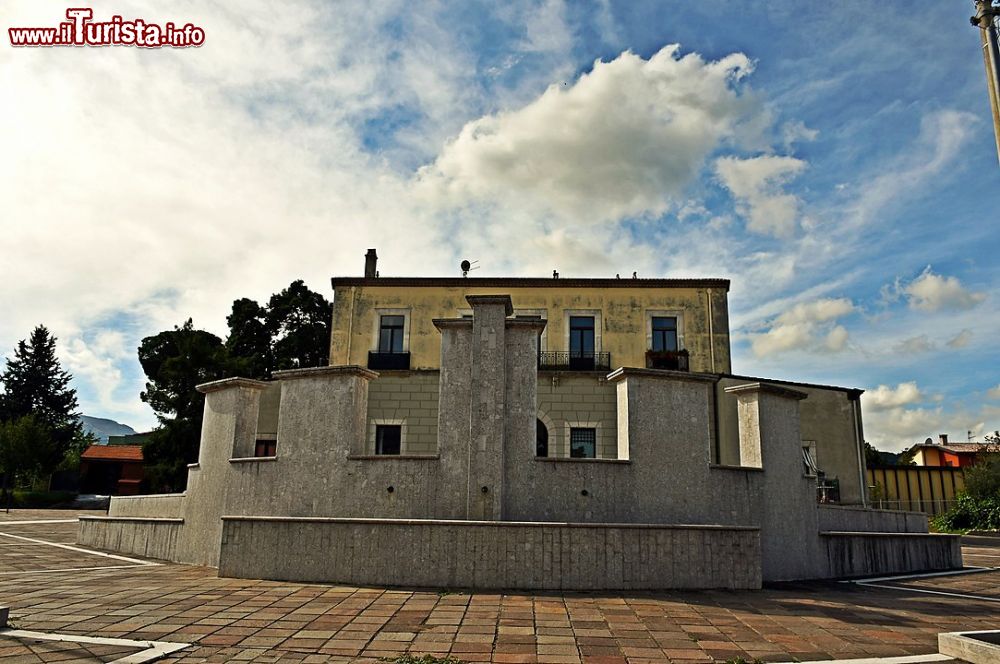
{"x": 835, "y": 160}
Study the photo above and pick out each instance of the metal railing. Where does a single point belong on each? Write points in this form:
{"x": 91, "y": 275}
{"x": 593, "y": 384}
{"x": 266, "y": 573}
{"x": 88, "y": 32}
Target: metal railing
{"x": 574, "y": 361}
{"x": 676, "y": 360}
{"x": 388, "y": 361}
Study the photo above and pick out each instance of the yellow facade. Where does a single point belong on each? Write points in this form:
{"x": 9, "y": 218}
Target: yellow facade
{"x": 622, "y": 309}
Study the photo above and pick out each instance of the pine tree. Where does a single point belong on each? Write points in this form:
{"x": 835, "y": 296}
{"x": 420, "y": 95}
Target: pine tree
{"x": 36, "y": 385}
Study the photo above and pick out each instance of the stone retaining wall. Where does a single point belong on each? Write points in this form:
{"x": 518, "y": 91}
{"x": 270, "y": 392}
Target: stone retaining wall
{"x": 871, "y": 554}
{"x": 859, "y": 519}
{"x": 164, "y": 505}
{"x": 490, "y": 555}
{"x": 148, "y": 537}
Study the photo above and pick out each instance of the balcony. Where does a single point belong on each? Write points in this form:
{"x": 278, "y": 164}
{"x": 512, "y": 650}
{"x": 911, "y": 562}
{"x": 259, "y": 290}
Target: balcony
{"x": 677, "y": 360}
{"x": 574, "y": 361}
{"x": 388, "y": 361}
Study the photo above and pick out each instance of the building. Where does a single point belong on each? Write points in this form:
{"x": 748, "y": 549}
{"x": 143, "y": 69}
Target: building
{"x": 947, "y": 454}
{"x": 111, "y": 470}
{"x": 482, "y": 462}
{"x": 592, "y": 326}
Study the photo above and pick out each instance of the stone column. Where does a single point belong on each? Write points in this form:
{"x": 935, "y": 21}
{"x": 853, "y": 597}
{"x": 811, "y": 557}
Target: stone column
{"x": 521, "y": 395}
{"x": 229, "y": 429}
{"x": 770, "y": 438}
{"x": 488, "y": 392}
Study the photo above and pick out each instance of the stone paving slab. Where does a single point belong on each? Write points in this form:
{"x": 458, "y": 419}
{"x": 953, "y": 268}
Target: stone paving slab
{"x": 268, "y": 621}
{"x": 30, "y": 651}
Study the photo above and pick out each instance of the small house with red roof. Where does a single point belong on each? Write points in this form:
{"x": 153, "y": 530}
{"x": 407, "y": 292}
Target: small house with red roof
{"x": 113, "y": 470}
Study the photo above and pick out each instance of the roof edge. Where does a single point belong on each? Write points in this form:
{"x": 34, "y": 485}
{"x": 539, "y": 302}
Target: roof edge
{"x": 529, "y": 282}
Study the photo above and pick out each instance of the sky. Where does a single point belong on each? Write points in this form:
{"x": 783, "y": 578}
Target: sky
{"x": 835, "y": 160}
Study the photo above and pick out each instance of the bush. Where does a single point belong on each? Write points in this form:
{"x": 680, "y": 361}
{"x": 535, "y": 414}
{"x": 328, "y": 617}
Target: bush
{"x": 971, "y": 513}
{"x": 983, "y": 480}
{"x": 39, "y": 499}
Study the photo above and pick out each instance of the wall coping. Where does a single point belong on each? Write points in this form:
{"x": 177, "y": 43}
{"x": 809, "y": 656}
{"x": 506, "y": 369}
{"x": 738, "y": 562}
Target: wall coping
{"x": 226, "y": 383}
{"x": 320, "y": 372}
{"x": 629, "y": 372}
{"x": 847, "y": 533}
{"x": 860, "y": 508}
{"x": 446, "y": 323}
{"x": 393, "y": 457}
{"x": 767, "y": 388}
{"x": 464, "y": 522}
{"x": 473, "y": 300}
{"x": 139, "y": 519}
{"x": 153, "y": 495}
{"x": 579, "y": 460}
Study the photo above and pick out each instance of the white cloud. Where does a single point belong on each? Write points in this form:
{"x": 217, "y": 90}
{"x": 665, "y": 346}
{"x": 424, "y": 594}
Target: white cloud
{"x": 914, "y": 345}
{"x": 960, "y": 340}
{"x": 796, "y": 131}
{"x": 97, "y": 361}
{"x": 933, "y": 292}
{"x": 885, "y": 397}
{"x": 623, "y": 140}
{"x": 756, "y": 184}
{"x": 801, "y": 326}
{"x": 994, "y": 392}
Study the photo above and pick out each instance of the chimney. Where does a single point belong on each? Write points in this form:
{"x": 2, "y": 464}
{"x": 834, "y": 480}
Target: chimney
{"x": 943, "y": 438}
{"x": 371, "y": 260}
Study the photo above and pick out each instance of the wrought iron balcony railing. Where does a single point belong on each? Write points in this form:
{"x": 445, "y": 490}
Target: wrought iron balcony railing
{"x": 574, "y": 361}
{"x": 667, "y": 359}
{"x": 388, "y": 361}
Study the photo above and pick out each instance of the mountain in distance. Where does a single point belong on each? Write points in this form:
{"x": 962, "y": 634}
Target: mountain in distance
{"x": 102, "y": 427}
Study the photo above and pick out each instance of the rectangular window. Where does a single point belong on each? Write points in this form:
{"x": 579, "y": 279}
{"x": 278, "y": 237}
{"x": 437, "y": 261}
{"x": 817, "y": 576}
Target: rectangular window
{"x": 581, "y": 336}
{"x": 265, "y": 448}
{"x": 809, "y": 457}
{"x": 664, "y": 333}
{"x": 583, "y": 443}
{"x": 388, "y": 438}
{"x": 390, "y": 335}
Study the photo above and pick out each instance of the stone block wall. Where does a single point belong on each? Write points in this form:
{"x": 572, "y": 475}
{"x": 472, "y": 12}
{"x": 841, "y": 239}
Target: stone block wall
{"x": 491, "y": 555}
{"x": 408, "y": 398}
{"x": 568, "y": 399}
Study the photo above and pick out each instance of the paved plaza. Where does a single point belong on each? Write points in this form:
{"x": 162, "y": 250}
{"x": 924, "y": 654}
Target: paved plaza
{"x": 54, "y": 587}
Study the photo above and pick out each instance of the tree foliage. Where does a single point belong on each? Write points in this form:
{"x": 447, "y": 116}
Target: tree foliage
{"x": 37, "y": 400}
{"x": 291, "y": 331}
{"x": 175, "y": 361}
{"x": 26, "y": 446}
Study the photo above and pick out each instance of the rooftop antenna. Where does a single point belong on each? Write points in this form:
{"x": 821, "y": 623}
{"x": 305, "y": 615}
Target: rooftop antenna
{"x": 468, "y": 267}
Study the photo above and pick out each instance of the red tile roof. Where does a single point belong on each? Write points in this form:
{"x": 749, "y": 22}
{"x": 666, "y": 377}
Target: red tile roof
{"x": 113, "y": 453}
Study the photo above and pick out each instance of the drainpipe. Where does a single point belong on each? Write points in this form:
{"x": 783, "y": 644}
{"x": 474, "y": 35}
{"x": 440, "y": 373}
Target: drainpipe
{"x": 859, "y": 437}
{"x": 711, "y": 330}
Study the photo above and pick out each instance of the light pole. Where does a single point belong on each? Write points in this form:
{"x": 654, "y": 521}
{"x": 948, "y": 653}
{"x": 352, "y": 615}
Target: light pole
{"x": 986, "y": 20}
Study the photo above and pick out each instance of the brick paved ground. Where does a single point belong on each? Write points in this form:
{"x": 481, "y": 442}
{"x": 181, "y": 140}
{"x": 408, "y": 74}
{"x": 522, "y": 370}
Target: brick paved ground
{"x": 243, "y": 620}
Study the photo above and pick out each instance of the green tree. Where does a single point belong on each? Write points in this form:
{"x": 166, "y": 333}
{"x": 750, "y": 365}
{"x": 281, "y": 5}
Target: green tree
{"x": 25, "y": 446}
{"x": 250, "y": 339}
{"x": 299, "y": 321}
{"x": 292, "y": 331}
{"x": 35, "y": 385}
{"x": 175, "y": 361}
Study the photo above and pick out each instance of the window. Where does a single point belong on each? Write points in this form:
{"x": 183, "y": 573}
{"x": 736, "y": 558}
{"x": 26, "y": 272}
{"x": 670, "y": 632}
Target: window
{"x": 390, "y": 334}
{"x": 583, "y": 443}
{"x": 265, "y": 447}
{"x": 541, "y": 439}
{"x": 809, "y": 458}
{"x": 388, "y": 438}
{"x": 581, "y": 336}
{"x": 664, "y": 334}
